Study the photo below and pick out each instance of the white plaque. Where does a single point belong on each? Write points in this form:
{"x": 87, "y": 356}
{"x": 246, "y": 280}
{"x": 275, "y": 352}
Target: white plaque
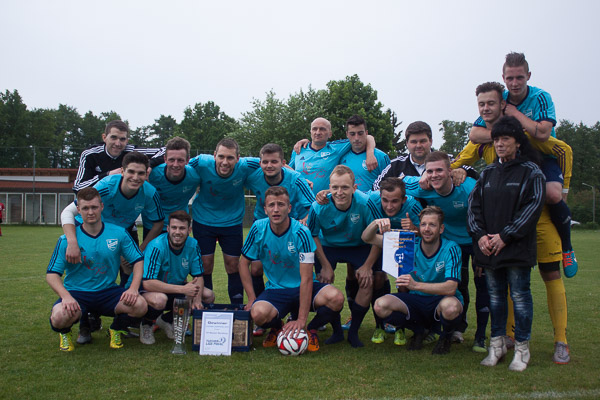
{"x": 217, "y": 333}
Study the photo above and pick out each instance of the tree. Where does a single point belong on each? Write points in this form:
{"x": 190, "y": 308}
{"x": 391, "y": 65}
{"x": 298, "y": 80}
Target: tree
{"x": 398, "y": 141}
{"x": 455, "y": 135}
{"x": 13, "y": 125}
{"x": 205, "y": 125}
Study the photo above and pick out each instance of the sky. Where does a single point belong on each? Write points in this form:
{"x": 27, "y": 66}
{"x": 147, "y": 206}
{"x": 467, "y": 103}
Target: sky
{"x": 425, "y": 58}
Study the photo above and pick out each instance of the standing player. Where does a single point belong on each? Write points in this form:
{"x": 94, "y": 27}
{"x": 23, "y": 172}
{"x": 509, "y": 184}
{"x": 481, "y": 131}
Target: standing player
{"x": 286, "y": 250}
{"x": 356, "y": 158}
{"x": 90, "y": 285}
{"x": 218, "y": 210}
{"x": 534, "y": 109}
{"x": 316, "y": 161}
{"x": 337, "y": 228}
{"x": 430, "y": 293}
{"x": 169, "y": 259}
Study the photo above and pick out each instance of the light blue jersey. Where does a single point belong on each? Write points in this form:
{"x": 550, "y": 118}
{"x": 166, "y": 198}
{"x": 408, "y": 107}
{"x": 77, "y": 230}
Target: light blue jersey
{"x": 537, "y": 106}
{"x": 357, "y": 162}
{"x": 443, "y": 266}
{"x": 280, "y": 255}
{"x": 410, "y": 206}
{"x": 100, "y": 255}
{"x": 173, "y": 195}
{"x": 220, "y": 201}
{"x": 166, "y": 264}
{"x": 336, "y": 228}
{"x": 454, "y": 205}
{"x": 123, "y": 211}
{"x": 316, "y": 165}
{"x": 301, "y": 197}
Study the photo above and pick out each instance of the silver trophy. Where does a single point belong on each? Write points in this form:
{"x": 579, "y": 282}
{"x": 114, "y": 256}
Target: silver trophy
{"x": 181, "y": 314}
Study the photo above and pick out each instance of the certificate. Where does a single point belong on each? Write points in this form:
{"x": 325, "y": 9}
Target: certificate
{"x": 398, "y": 252}
{"x": 216, "y": 336}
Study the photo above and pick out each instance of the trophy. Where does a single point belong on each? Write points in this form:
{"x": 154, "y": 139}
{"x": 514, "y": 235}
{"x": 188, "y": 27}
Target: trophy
{"x": 181, "y": 313}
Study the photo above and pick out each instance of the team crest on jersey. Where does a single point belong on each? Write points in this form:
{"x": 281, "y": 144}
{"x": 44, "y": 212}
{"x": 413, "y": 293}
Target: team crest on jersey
{"x": 528, "y": 113}
{"x": 187, "y": 188}
{"x": 439, "y": 266}
{"x": 185, "y": 264}
{"x": 112, "y": 244}
{"x": 354, "y": 218}
{"x": 291, "y": 247}
{"x": 325, "y": 155}
{"x": 459, "y": 204}
{"x": 364, "y": 164}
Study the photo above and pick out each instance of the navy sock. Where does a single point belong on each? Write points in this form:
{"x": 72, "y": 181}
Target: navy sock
{"x": 482, "y": 320}
{"x": 323, "y": 317}
{"x": 62, "y": 330}
{"x": 561, "y": 218}
{"x": 358, "y": 314}
{"x": 351, "y": 291}
{"x": 397, "y": 319}
{"x": 151, "y": 315}
{"x": 167, "y": 317}
{"x": 449, "y": 326}
{"x": 258, "y": 284}
{"x": 275, "y": 323}
{"x": 120, "y": 322}
{"x": 235, "y": 288}
{"x": 207, "y": 281}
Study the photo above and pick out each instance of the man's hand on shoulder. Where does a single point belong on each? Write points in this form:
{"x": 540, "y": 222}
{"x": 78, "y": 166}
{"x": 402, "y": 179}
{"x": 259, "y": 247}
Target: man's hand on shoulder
{"x": 302, "y": 143}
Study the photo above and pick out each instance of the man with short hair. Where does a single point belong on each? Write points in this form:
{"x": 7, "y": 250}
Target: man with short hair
{"x": 218, "y": 210}
{"x": 90, "y": 285}
{"x": 286, "y": 250}
{"x": 169, "y": 259}
{"x": 316, "y": 161}
{"x": 429, "y": 294}
{"x": 337, "y": 228}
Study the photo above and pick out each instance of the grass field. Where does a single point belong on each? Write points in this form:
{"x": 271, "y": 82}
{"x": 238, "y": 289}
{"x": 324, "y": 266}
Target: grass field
{"x": 32, "y": 366}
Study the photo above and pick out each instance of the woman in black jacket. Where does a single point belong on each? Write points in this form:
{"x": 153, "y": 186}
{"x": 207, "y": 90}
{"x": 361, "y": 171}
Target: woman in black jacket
{"x": 503, "y": 211}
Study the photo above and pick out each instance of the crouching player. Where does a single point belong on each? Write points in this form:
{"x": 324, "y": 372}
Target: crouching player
{"x": 89, "y": 285}
{"x": 169, "y": 259}
{"x": 429, "y": 293}
{"x": 286, "y": 249}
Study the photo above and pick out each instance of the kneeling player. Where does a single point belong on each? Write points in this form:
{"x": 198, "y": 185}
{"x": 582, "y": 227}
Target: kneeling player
{"x": 286, "y": 250}
{"x": 169, "y": 259}
{"x": 89, "y": 285}
{"x": 429, "y": 293}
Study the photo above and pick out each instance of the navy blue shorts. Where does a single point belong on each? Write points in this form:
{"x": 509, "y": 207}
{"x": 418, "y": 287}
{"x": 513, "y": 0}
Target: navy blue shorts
{"x": 552, "y": 170}
{"x": 356, "y": 256}
{"x": 421, "y": 310}
{"x": 231, "y": 239}
{"x": 288, "y": 300}
{"x": 102, "y": 302}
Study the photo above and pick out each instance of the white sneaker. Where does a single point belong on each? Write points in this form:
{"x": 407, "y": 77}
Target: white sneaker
{"x": 147, "y": 334}
{"x": 521, "y": 358}
{"x": 497, "y": 351}
{"x": 165, "y": 326}
{"x": 457, "y": 337}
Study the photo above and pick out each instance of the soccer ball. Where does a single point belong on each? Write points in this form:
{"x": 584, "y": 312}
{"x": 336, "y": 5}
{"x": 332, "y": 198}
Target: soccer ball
{"x": 290, "y": 346}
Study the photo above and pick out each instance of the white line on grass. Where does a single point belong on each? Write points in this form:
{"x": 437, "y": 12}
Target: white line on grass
{"x": 578, "y": 394}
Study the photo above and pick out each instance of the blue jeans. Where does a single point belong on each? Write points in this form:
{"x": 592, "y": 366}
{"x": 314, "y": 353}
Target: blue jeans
{"x": 498, "y": 281}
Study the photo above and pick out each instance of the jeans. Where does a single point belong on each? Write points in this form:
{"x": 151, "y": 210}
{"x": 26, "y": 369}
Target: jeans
{"x": 498, "y": 281}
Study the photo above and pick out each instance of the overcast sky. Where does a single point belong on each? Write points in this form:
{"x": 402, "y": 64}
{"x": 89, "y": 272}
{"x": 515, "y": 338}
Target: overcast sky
{"x": 424, "y": 58}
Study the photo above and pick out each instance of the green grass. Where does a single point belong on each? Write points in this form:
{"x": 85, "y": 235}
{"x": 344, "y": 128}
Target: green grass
{"x": 33, "y": 367}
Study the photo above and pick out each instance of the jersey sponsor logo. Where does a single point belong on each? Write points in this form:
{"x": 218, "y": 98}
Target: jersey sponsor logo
{"x": 439, "y": 266}
{"x": 354, "y": 218}
{"x": 187, "y": 188}
{"x": 528, "y": 113}
{"x": 325, "y": 155}
{"x": 139, "y": 208}
{"x": 112, "y": 244}
{"x": 458, "y": 204}
{"x": 276, "y": 259}
{"x": 364, "y": 164}
{"x": 291, "y": 247}
{"x": 185, "y": 264}
{"x": 237, "y": 182}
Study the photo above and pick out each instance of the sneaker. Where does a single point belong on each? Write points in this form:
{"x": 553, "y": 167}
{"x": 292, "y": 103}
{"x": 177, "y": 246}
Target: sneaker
{"x": 521, "y": 358}
{"x": 562, "y": 355}
{"x": 66, "y": 342}
{"x": 442, "y": 346}
{"x": 400, "y": 337}
{"x": 457, "y": 337}
{"x": 313, "y": 340}
{"x": 258, "y": 331}
{"x": 271, "y": 339}
{"x": 346, "y": 326}
{"x": 479, "y": 346}
{"x": 85, "y": 336}
{"x": 322, "y": 328}
{"x": 130, "y": 334}
{"x": 432, "y": 337}
{"x": 570, "y": 265}
{"x": 95, "y": 322}
{"x": 378, "y": 336}
{"x": 416, "y": 342}
{"x": 389, "y": 328}
{"x": 166, "y": 327}
{"x": 147, "y": 334}
{"x": 116, "y": 341}
{"x": 510, "y": 342}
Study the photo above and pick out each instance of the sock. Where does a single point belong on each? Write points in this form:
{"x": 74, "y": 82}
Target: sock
{"x": 561, "y": 218}
{"x": 167, "y": 317}
{"x": 397, "y": 319}
{"x": 483, "y": 316}
{"x": 151, "y": 315}
{"x": 351, "y": 291}
{"x": 510, "y": 320}
{"x": 235, "y": 288}
{"x": 120, "y": 322}
{"x": 557, "y": 306}
{"x": 449, "y": 326}
{"x": 207, "y": 281}
{"x": 61, "y": 330}
{"x": 377, "y": 293}
{"x": 258, "y": 284}
{"x": 358, "y": 314}
{"x": 275, "y": 323}
{"x": 336, "y": 325}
